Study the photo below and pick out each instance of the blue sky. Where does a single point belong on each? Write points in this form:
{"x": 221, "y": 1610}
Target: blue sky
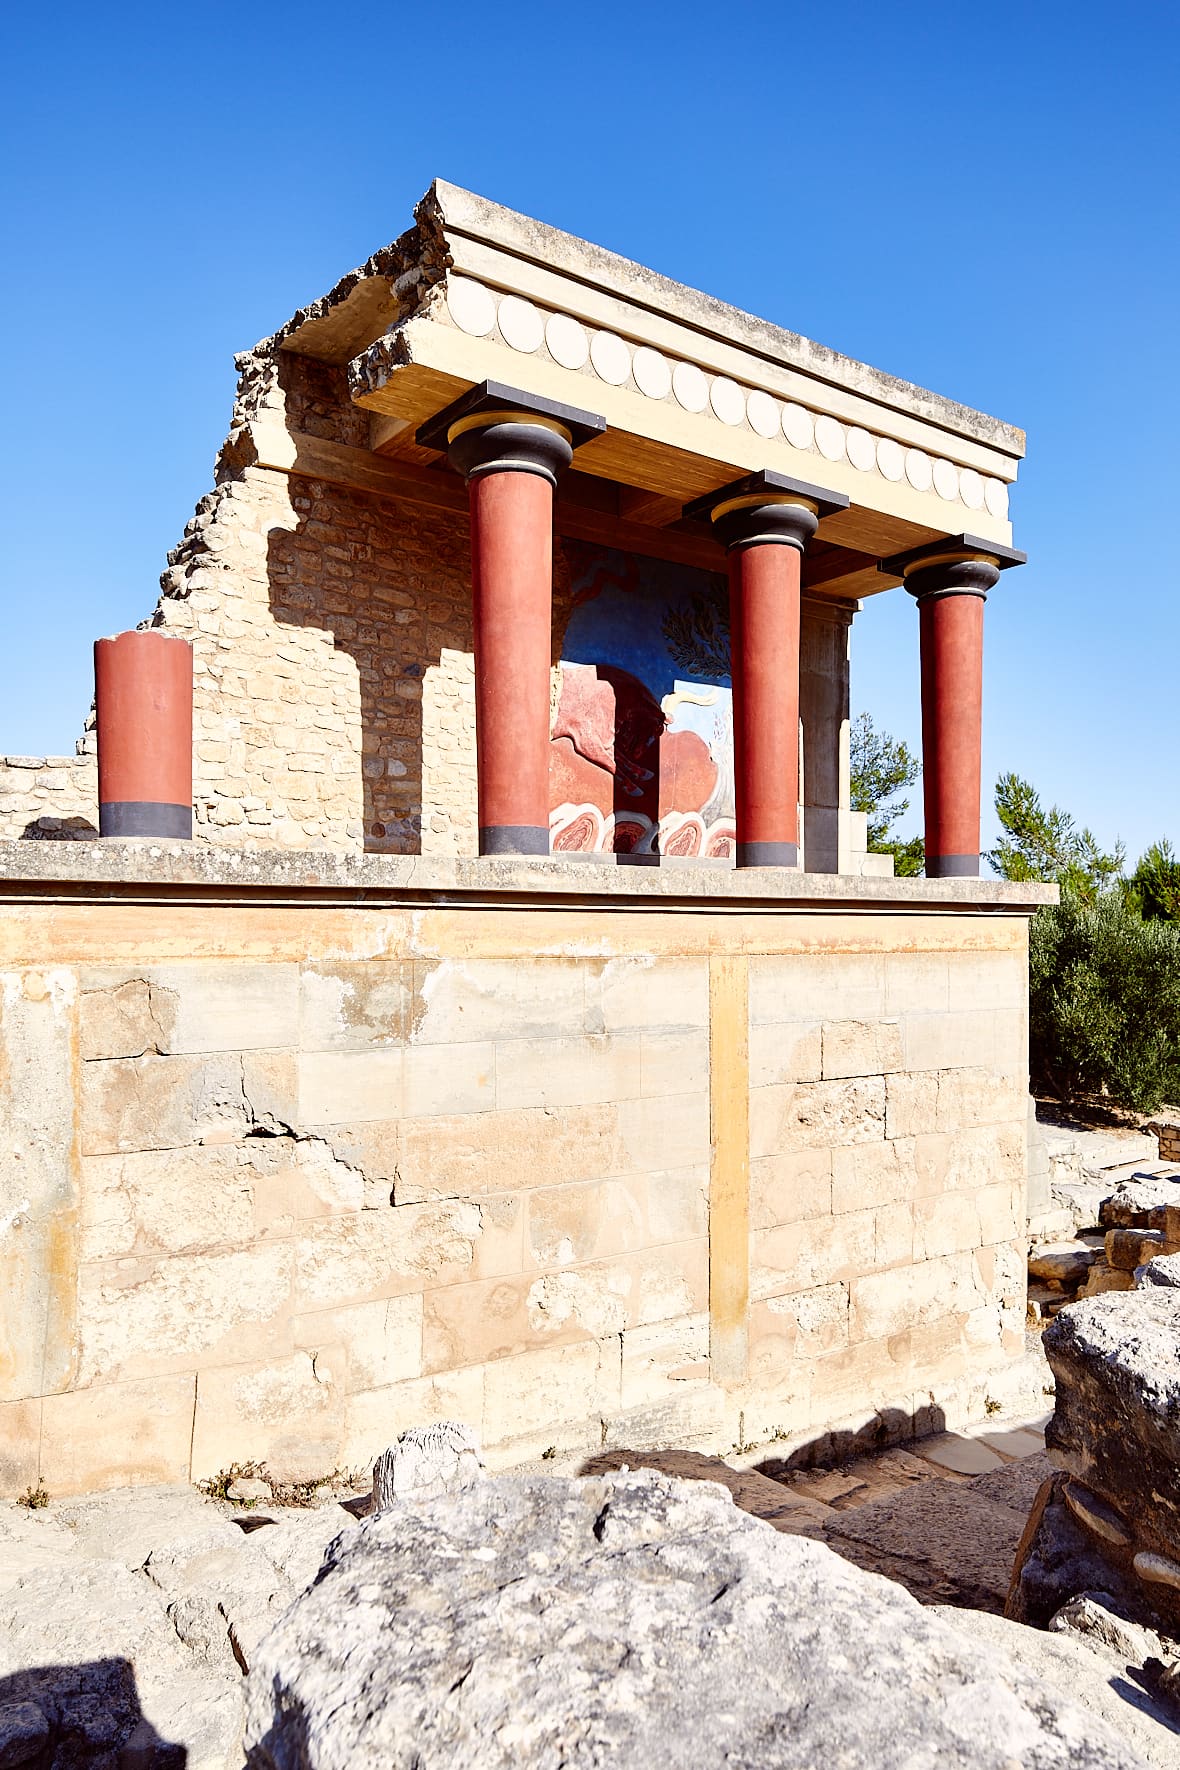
{"x": 980, "y": 199}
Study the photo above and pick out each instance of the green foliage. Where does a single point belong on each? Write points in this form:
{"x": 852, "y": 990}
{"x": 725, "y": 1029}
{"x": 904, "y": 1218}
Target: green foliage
{"x": 1047, "y": 845}
{"x": 882, "y": 768}
{"x": 1104, "y": 1002}
{"x": 1154, "y": 886}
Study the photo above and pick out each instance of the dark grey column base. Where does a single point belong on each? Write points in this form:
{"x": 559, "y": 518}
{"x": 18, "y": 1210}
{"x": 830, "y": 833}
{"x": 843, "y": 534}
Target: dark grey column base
{"x": 768, "y": 854}
{"x": 514, "y": 839}
{"x": 142, "y": 817}
{"x": 952, "y": 866}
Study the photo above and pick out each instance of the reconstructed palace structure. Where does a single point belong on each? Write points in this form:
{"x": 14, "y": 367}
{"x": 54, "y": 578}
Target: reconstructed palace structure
{"x": 465, "y": 991}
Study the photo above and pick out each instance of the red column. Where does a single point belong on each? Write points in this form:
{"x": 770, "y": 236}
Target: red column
{"x": 512, "y": 578}
{"x": 951, "y": 631}
{"x": 510, "y": 446}
{"x": 764, "y": 651}
{"x": 766, "y": 520}
{"x": 950, "y": 579}
{"x": 143, "y": 686}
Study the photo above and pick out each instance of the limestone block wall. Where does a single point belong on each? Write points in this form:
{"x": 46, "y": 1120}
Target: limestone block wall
{"x": 49, "y": 798}
{"x": 281, "y": 1178}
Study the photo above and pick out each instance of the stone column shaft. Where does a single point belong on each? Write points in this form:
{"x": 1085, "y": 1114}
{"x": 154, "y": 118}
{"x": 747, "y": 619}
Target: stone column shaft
{"x": 143, "y": 691}
{"x": 951, "y": 579}
{"x": 764, "y": 653}
{"x": 765, "y": 521}
{"x": 512, "y": 579}
{"x": 510, "y": 447}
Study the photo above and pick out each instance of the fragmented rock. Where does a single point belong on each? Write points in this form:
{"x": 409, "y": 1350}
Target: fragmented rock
{"x": 1128, "y": 1248}
{"x": 1065, "y": 1264}
{"x": 426, "y": 1461}
{"x": 1091, "y": 1616}
{"x": 1163, "y": 1270}
{"x": 756, "y": 1494}
{"x": 1056, "y": 1558}
{"x": 249, "y": 1490}
{"x": 1096, "y": 1679}
{"x": 632, "y": 1620}
{"x": 1140, "y": 1203}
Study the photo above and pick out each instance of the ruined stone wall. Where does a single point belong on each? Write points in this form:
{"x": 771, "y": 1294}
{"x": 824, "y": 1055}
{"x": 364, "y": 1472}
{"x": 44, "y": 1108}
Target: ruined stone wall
{"x": 285, "y": 1179}
{"x": 332, "y": 672}
{"x": 50, "y": 798}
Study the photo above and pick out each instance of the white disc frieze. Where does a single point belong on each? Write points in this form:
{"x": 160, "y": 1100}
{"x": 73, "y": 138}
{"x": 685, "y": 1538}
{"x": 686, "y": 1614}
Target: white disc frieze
{"x": 918, "y": 470}
{"x": 946, "y": 480}
{"x": 890, "y": 458}
{"x": 727, "y": 400}
{"x": 829, "y": 438}
{"x": 520, "y": 324}
{"x": 567, "y": 340}
{"x": 762, "y": 413}
{"x": 798, "y": 426}
{"x": 470, "y": 306}
{"x": 652, "y": 374}
{"x": 995, "y": 496}
{"x": 971, "y": 488}
{"x": 862, "y": 451}
{"x": 690, "y": 387}
{"x": 611, "y": 358}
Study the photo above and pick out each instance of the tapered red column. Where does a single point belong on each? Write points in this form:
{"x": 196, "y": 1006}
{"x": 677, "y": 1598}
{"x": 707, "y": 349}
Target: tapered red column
{"x": 510, "y": 447}
{"x": 950, "y": 580}
{"x": 766, "y": 521}
{"x": 143, "y": 683}
{"x": 512, "y": 578}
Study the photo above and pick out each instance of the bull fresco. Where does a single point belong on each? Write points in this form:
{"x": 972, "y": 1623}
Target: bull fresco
{"x": 641, "y": 753}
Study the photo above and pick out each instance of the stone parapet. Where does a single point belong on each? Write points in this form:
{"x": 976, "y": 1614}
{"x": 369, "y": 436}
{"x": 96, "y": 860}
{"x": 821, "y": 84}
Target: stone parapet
{"x": 176, "y": 866}
{"x": 310, "y": 1148}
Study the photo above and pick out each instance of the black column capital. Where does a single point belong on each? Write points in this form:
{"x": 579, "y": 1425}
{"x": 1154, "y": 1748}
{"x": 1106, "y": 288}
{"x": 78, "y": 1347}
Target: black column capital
{"x": 766, "y": 507}
{"x": 493, "y": 428}
{"x": 959, "y": 565}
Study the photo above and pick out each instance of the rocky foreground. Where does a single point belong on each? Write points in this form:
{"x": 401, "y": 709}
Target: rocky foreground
{"x": 632, "y": 1620}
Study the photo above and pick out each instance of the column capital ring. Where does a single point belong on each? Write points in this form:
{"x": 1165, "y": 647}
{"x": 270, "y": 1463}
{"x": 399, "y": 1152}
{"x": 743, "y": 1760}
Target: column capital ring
{"x": 766, "y": 507}
{"x": 958, "y": 565}
{"x": 494, "y": 428}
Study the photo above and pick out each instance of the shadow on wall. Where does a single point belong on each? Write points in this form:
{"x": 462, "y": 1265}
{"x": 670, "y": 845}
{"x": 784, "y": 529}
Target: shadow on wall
{"x": 59, "y": 829}
{"x": 52, "y": 1717}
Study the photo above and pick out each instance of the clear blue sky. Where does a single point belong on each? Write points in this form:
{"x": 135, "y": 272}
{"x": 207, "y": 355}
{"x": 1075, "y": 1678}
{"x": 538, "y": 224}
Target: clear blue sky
{"x": 980, "y": 199}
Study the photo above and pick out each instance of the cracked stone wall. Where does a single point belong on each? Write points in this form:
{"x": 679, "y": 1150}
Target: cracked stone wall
{"x": 278, "y": 1183}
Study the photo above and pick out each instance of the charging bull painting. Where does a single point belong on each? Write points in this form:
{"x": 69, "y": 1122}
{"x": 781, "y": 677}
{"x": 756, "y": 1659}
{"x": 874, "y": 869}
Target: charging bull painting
{"x": 641, "y": 755}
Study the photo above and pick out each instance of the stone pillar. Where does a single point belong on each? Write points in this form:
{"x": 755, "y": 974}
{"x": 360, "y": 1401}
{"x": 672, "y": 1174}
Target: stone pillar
{"x": 824, "y": 719}
{"x": 951, "y": 579}
{"x": 765, "y": 521}
{"x": 143, "y": 692}
{"x": 510, "y": 447}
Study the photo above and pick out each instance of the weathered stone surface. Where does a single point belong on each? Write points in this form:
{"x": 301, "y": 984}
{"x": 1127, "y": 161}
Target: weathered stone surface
{"x": 1128, "y": 1248}
{"x": 92, "y": 1648}
{"x": 424, "y": 1462}
{"x": 1141, "y": 1202}
{"x": 1015, "y": 1484}
{"x": 1065, "y": 1264}
{"x": 1120, "y": 1637}
{"x": 1116, "y": 1426}
{"x": 1164, "y": 1270}
{"x": 1100, "y": 1682}
{"x": 944, "y": 1541}
{"x": 756, "y": 1494}
{"x": 1057, "y": 1558}
{"x": 631, "y": 1620}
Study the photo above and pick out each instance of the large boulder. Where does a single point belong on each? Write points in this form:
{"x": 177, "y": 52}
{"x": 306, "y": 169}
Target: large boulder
{"x": 1111, "y": 1521}
{"x": 634, "y": 1621}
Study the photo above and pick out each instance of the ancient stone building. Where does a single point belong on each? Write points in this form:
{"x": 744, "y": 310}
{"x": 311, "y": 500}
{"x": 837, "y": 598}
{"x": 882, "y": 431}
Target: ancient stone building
{"x": 524, "y": 1035}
